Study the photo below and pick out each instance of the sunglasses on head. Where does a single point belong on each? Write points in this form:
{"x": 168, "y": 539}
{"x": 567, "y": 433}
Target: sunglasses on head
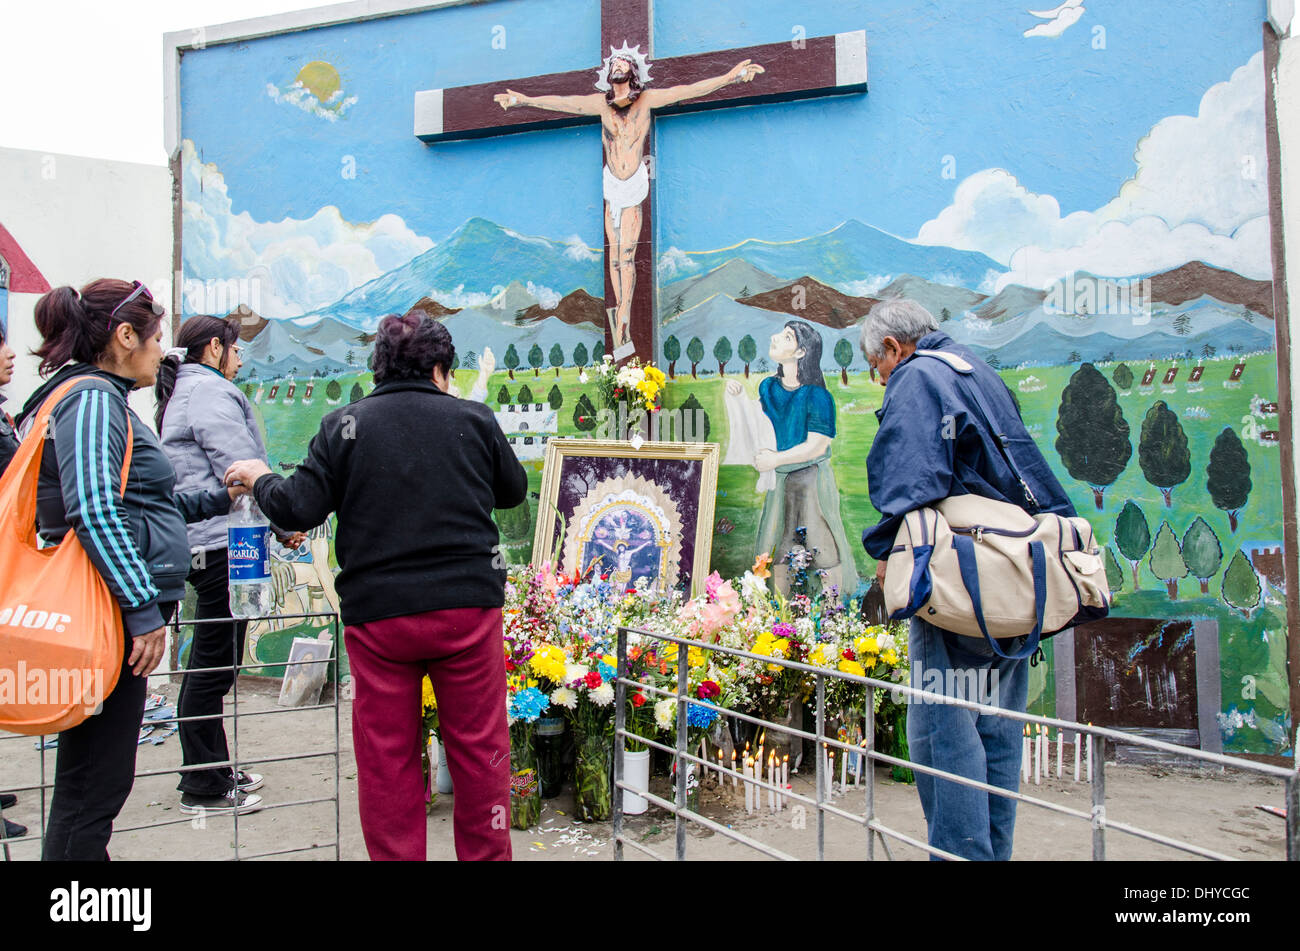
{"x": 137, "y": 290}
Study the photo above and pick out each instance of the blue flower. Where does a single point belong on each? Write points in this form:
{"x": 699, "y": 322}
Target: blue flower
{"x": 700, "y": 714}
{"x": 528, "y": 704}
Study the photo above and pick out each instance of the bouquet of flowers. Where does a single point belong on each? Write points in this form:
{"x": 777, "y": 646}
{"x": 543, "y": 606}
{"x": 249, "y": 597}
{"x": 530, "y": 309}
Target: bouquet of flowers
{"x": 631, "y": 392}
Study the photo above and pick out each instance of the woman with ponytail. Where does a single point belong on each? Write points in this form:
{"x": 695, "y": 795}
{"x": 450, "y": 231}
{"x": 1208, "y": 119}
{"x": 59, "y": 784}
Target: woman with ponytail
{"x": 108, "y": 338}
{"x": 206, "y": 423}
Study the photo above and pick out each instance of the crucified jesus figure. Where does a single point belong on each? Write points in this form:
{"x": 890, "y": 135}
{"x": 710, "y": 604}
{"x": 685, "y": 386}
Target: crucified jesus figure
{"x": 624, "y": 106}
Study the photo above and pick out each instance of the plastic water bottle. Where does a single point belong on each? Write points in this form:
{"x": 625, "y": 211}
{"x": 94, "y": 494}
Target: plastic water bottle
{"x": 248, "y": 559}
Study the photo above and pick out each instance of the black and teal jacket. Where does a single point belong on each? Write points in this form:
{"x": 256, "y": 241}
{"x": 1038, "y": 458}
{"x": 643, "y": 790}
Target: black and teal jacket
{"x": 136, "y": 540}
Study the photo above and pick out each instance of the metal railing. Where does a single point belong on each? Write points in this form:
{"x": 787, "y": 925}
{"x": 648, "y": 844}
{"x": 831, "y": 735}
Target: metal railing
{"x": 236, "y": 761}
{"x": 877, "y": 830}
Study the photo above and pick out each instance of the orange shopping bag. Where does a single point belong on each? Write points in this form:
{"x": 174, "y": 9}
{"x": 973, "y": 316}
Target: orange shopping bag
{"x": 61, "y": 639}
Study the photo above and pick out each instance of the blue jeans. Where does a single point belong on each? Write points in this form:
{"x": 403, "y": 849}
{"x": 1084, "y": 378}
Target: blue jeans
{"x": 965, "y": 821}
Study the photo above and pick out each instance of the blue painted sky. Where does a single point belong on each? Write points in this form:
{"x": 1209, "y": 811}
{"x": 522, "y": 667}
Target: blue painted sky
{"x": 952, "y": 78}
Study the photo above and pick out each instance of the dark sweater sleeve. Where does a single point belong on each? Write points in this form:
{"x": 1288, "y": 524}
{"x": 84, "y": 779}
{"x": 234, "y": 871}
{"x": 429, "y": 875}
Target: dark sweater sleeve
{"x": 202, "y": 504}
{"x": 90, "y": 443}
{"x": 305, "y": 499}
{"x": 509, "y": 479}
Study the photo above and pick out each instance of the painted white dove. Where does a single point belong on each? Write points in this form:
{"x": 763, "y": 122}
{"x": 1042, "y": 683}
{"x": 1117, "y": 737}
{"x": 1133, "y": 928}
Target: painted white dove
{"x": 1059, "y": 20}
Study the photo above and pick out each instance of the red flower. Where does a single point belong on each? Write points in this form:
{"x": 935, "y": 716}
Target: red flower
{"x": 638, "y": 699}
{"x": 592, "y": 679}
{"x": 849, "y": 655}
{"x": 707, "y": 690}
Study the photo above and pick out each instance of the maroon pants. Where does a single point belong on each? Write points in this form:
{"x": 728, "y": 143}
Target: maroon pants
{"x": 461, "y": 651}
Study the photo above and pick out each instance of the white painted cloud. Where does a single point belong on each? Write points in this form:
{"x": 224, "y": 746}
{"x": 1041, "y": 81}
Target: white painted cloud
{"x": 576, "y": 249}
{"x": 299, "y": 95}
{"x": 868, "y": 287}
{"x": 1059, "y": 19}
{"x": 674, "y": 263}
{"x": 1199, "y": 193}
{"x": 300, "y": 264}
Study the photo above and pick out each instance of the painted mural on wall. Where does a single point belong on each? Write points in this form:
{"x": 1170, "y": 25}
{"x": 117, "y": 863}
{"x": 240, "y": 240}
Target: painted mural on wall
{"x": 1112, "y": 262}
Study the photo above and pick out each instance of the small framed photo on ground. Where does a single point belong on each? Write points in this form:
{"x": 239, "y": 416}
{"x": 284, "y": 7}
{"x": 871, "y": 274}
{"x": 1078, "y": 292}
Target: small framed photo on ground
{"x": 610, "y": 509}
{"x": 305, "y": 672}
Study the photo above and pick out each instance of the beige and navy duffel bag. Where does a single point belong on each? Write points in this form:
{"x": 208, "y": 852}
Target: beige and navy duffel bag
{"x": 982, "y": 567}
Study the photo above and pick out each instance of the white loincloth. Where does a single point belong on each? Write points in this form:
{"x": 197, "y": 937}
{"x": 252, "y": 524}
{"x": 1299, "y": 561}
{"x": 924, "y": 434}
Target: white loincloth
{"x": 623, "y": 193}
{"x": 750, "y": 430}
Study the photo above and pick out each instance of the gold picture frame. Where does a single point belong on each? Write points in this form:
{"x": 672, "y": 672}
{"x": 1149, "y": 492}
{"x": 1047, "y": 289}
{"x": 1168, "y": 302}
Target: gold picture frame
{"x": 586, "y": 482}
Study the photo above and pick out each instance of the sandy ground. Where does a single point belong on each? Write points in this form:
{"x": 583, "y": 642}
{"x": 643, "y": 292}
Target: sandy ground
{"x": 1215, "y": 810}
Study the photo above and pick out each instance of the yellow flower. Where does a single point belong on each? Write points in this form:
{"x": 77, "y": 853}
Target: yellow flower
{"x": 866, "y": 645}
{"x": 427, "y": 699}
{"x": 694, "y": 657}
{"x": 548, "y": 662}
{"x": 889, "y": 657}
{"x": 780, "y": 648}
{"x": 852, "y": 667}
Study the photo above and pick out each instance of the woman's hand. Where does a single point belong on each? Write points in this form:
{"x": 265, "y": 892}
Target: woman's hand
{"x": 147, "y": 652}
{"x": 880, "y": 571}
{"x": 292, "y": 540}
{"x": 765, "y": 460}
{"x": 245, "y": 472}
{"x": 734, "y": 388}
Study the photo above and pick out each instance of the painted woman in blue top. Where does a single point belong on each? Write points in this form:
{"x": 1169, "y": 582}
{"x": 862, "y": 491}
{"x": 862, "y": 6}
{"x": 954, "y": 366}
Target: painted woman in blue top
{"x": 802, "y": 413}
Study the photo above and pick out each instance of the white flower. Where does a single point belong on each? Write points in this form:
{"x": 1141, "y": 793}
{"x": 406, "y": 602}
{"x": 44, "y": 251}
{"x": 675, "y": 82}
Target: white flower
{"x": 753, "y": 588}
{"x": 582, "y": 376}
{"x": 602, "y": 696}
{"x": 887, "y": 642}
{"x": 804, "y": 628}
{"x": 564, "y": 697}
{"x": 573, "y": 673}
{"x": 665, "y": 714}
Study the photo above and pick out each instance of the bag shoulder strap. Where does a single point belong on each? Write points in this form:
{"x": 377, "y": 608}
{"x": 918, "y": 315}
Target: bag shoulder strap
{"x": 1001, "y": 439}
{"x": 53, "y": 400}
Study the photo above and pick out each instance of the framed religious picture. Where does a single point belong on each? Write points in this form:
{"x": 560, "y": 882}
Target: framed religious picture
{"x": 305, "y": 672}
{"x": 629, "y": 513}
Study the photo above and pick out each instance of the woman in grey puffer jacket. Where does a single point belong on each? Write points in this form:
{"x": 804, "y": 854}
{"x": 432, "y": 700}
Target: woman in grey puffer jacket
{"x": 205, "y": 423}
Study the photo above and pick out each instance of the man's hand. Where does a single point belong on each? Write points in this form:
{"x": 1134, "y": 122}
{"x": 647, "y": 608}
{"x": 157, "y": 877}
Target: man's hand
{"x": 880, "y": 571}
{"x": 246, "y": 472}
{"x": 765, "y": 460}
{"x": 510, "y": 98}
{"x": 745, "y": 71}
{"x": 734, "y": 388}
{"x": 147, "y": 652}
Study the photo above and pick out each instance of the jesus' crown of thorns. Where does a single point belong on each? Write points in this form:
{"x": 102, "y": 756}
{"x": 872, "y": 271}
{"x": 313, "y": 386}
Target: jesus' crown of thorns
{"x": 630, "y": 53}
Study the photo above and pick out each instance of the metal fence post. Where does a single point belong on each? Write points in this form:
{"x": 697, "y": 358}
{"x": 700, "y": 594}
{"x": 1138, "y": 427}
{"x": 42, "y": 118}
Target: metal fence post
{"x": 234, "y": 728}
{"x": 1099, "y": 801}
{"x": 869, "y": 769}
{"x": 682, "y": 672}
{"x": 1293, "y": 817}
{"x": 821, "y": 757}
{"x": 620, "y": 724}
{"x": 338, "y": 674}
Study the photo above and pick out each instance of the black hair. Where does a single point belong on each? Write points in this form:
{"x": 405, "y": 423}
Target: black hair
{"x": 810, "y": 364}
{"x": 195, "y": 335}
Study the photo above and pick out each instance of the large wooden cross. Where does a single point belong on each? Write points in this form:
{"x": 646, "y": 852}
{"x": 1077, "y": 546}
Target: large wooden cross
{"x": 799, "y": 68}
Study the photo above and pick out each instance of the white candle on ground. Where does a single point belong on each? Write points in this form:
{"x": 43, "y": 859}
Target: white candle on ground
{"x": 771, "y": 781}
{"x": 785, "y": 775}
{"x": 1024, "y": 755}
{"x": 1089, "y": 756}
{"x": 1078, "y": 747}
{"x": 1038, "y": 758}
{"x": 830, "y": 775}
{"x": 734, "y": 781}
{"x": 844, "y": 770}
{"x": 1060, "y": 750}
{"x": 749, "y": 790}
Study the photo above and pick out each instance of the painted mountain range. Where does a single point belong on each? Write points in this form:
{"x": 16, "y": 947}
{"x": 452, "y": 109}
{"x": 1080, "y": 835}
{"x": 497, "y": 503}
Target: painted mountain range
{"x": 495, "y": 287}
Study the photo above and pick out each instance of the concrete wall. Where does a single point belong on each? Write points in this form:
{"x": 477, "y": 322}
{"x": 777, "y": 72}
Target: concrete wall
{"x": 79, "y": 219}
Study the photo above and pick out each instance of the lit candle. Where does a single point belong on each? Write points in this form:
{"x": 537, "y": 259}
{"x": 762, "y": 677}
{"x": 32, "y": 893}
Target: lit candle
{"x": 771, "y": 781}
{"x": 1078, "y": 747}
{"x": 734, "y": 780}
{"x": 830, "y": 776}
{"x": 1024, "y": 755}
{"x": 1060, "y": 751}
{"x": 844, "y": 771}
{"x": 1038, "y": 757}
{"x": 749, "y": 790}
{"x": 785, "y": 775}
{"x": 720, "y": 779}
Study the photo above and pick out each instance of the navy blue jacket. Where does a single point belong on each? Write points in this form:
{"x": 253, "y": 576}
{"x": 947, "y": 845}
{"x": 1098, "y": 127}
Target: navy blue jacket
{"x": 933, "y": 443}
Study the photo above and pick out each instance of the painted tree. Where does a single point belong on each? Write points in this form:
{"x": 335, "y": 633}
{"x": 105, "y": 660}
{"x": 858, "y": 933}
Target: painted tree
{"x": 993, "y": 361}
{"x": 555, "y": 399}
{"x": 695, "y": 353}
{"x": 722, "y": 353}
{"x": 1093, "y": 440}
{"x": 1073, "y": 357}
{"x": 844, "y": 357}
{"x": 511, "y": 360}
{"x": 580, "y": 357}
{"x": 1228, "y": 475}
{"x": 693, "y": 410}
{"x": 536, "y": 358}
{"x": 455, "y": 364}
{"x": 1241, "y": 588}
{"x": 1202, "y": 552}
{"x": 1123, "y": 377}
{"x": 525, "y": 394}
{"x": 1114, "y": 573}
{"x": 597, "y": 352}
{"x": 503, "y": 396}
{"x": 1132, "y": 537}
{"x": 556, "y": 358}
{"x": 672, "y": 353}
{"x": 747, "y": 350}
{"x": 355, "y": 393}
{"x": 1166, "y": 561}
{"x": 1208, "y": 351}
{"x": 945, "y": 315}
{"x": 333, "y": 390}
{"x": 584, "y": 414}
{"x": 744, "y": 292}
{"x": 1182, "y": 325}
{"x": 1162, "y": 451}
